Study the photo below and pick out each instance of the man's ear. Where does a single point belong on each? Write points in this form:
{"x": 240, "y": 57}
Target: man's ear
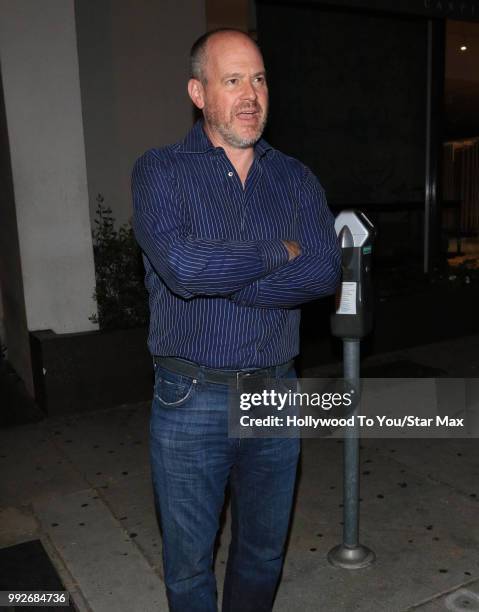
{"x": 196, "y": 92}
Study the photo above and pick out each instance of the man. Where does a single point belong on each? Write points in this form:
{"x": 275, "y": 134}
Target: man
{"x": 235, "y": 236}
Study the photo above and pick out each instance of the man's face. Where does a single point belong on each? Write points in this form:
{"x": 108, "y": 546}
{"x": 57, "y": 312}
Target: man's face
{"x": 234, "y": 95}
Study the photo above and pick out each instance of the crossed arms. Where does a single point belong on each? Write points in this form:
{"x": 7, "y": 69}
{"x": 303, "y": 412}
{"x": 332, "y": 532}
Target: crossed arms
{"x": 263, "y": 273}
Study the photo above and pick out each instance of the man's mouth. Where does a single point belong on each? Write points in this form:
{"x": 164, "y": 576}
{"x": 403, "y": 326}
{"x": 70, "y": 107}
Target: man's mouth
{"x": 247, "y": 114}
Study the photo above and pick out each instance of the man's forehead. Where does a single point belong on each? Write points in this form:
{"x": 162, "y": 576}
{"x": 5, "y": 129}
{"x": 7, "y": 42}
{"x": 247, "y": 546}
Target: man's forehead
{"x": 227, "y": 47}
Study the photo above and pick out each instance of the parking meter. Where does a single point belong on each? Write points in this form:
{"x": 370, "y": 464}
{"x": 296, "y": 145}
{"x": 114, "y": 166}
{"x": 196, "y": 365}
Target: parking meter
{"x": 352, "y": 321}
{"x": 354, "y": 309}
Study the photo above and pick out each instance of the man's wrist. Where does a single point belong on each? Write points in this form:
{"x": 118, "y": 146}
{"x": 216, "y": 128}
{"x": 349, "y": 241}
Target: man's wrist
{"x": 293, "y": 248}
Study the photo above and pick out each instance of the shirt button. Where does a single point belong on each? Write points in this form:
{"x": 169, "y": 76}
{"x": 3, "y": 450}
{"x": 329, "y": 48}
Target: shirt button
{"x": 230, "y": 174}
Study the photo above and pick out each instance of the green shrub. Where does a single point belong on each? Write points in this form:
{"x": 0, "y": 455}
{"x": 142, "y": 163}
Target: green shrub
{"x": 120, "y": 293}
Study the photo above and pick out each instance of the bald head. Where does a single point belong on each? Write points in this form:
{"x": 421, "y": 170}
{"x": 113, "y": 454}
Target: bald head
{"x": 214, "y": 38}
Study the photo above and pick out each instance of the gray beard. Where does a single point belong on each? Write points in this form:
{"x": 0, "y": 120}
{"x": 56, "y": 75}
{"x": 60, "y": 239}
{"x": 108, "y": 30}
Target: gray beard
{"x": 229, "y": 136}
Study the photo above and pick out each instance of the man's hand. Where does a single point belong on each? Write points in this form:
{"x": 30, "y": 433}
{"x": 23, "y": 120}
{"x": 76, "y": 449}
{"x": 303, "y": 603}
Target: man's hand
{"x": 293, "y": 249}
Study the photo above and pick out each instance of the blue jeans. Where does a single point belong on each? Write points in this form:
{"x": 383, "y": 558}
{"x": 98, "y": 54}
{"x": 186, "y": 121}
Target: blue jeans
{"x": 192, "y": 459}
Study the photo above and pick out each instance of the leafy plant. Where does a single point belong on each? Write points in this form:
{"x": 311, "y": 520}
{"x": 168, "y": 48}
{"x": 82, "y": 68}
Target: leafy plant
{"x": 120, "y": 293}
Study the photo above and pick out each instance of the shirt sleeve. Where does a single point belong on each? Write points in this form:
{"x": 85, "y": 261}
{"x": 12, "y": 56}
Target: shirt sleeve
{"x": 191, "y": 266}
{"x": 313, "y": 274}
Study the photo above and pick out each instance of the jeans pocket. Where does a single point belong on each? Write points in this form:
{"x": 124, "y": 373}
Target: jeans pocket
{"x": 172, "y": 389}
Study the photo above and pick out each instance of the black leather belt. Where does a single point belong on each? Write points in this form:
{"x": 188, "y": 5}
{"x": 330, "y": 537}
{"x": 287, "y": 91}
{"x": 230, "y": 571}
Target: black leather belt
{"x": 219, "y": 377}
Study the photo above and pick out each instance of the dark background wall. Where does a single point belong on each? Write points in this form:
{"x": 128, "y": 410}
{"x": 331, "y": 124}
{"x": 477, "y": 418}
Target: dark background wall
{"x": 348, "y": 97}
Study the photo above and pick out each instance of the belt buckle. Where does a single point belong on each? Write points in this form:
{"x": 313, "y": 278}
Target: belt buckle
{"x": 239, "y": 375}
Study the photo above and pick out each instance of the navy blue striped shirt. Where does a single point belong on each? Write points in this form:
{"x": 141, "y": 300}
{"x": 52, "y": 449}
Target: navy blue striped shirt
{"x": 222, "y": 292}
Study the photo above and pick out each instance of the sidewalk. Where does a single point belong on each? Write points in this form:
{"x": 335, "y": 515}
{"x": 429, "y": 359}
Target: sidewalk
{"x": 81, "y": 484}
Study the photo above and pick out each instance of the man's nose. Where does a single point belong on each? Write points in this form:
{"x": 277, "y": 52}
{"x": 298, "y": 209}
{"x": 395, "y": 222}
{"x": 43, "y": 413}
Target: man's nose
{"x": 249, "y": 91}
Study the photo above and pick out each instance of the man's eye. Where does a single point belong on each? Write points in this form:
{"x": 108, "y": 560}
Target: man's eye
{"x": 231, "y": 81}
{"x": 260, "y": 80}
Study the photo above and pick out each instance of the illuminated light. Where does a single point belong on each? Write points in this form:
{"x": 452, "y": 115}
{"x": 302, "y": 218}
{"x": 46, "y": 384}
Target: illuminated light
{"x": 463, "y": 48}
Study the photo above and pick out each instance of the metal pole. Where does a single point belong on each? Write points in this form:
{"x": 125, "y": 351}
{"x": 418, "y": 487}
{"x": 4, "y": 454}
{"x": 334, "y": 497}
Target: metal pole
{"x": 350, "y": 554}
{"x": 351, "y": 349}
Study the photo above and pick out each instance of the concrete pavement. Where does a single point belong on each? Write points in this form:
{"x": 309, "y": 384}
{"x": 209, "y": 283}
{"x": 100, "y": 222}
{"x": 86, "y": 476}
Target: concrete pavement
{"x": 81, "y": 484}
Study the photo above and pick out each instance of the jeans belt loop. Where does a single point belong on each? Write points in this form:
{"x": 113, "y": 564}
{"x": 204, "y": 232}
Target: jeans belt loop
{"x": 239, "y": 375}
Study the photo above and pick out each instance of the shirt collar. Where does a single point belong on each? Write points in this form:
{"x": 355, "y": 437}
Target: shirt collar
{"x": 196, "y": 141}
